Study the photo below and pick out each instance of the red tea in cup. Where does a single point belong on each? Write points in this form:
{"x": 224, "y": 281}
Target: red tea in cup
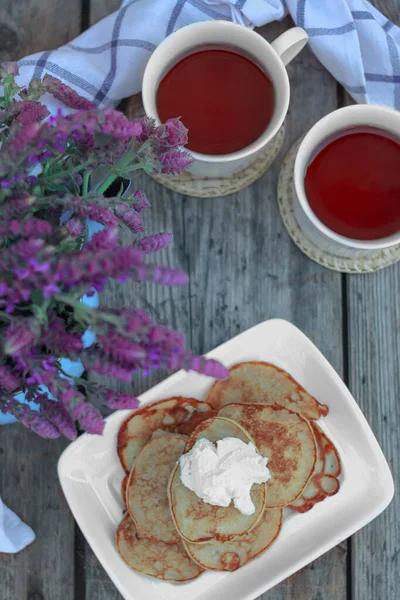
{"x": 353, "y": 184}
{"x": 224, "y": 99}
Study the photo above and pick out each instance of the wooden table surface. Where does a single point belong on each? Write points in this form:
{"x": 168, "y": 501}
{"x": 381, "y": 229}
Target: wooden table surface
{"x": 243, "y": 269}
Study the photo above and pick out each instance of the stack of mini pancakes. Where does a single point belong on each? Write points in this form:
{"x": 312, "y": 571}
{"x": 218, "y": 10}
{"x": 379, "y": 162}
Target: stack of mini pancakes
{"x": 171, "y": 534}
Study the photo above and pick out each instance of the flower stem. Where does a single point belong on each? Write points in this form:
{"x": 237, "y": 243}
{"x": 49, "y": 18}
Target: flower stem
{"x": 77, "y": 380}
{"x": 85, "y": 183}
{"x": 121, "y": 164}
{"x": 64, "y": 173}
{"x": 74, "y": 303}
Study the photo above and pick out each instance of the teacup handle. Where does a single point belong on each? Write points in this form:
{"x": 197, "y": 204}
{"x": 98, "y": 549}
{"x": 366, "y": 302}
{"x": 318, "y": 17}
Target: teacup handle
{"x": 289, "y": 44}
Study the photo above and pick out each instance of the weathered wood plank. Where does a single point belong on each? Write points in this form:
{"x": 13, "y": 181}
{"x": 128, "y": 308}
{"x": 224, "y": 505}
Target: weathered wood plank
{"x": 101, "y": 8}
{"x": 28, "y": 464}
{"x": 374, "y": 359}
{"x": 390, "y": 8}
{"x": 35, "y": 25}
{"x": 167, "y": 305}
{"x": 205, "y": 225}
{"x": 29, "y": 485}
{"x": 244, "y": 269}
{"x": 374, "y": 366}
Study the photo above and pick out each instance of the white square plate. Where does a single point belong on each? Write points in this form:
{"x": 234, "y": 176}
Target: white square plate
{"x": 90, "y": 475}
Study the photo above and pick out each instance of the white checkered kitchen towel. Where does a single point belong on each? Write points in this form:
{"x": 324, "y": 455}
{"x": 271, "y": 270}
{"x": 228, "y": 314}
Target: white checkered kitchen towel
{"x": 14, "y": 535}
{"x": 354, "y": 41}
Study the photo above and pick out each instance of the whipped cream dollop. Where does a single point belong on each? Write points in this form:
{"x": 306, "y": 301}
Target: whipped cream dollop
{"x": 224, "y": 472}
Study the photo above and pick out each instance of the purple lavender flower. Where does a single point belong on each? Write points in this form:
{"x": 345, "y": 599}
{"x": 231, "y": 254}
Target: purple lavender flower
{"x": 209, "y": 367}
{"x": 86, "y": 209}
{"x": 17, "y": 338}
{"x": 32, "y": 112}
{"x": 22, "y": 139}
{"x": 23, "y": 250}
{"x": 89, "y": 418}
{"x": 174, "y": 161}
{"x": 75, "y": 227}
{"x": 154, "y": 243}
{"x": 65, "y": 94}
{"x": 24, "y": 113}
{"x": 44, "y": 272}
{"x": 8, "y": 68}
{"x": 103, "y": 240}
{"x": 17, "y": 206}
{"x": 148, "y": 127}
{"x": 141, "y": 201}
{"x": 107, "y": 121}
{"x": 135, "y": 320}
{"x": 56, "y": 338}
{"x": 86, "y": 268}
{"x": 30, "y": 227}
{"x": 172, "y": 134}
{"x": 32, "y": 419}
{"x": 129, "y": 217}
{"x": 98, "y": 362}
{"x": 120, "y": 401}
{"x": 50, "y": 289}
{"x": 57, "y": 414}
{"x": 9, "y": 381}
{"x": 121, "y": 349}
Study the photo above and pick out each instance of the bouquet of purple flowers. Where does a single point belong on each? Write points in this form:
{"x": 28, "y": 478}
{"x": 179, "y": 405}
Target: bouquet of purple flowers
{"x": 47, "y": 262}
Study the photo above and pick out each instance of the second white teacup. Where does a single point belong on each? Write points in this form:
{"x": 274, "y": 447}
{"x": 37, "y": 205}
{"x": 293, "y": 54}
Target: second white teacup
{"x": 380, "y": 118}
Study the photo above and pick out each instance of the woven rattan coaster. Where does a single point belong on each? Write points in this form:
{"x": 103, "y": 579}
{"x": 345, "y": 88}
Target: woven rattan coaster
{"x": 215, "y": 187}
{"x": 336, "y": 263}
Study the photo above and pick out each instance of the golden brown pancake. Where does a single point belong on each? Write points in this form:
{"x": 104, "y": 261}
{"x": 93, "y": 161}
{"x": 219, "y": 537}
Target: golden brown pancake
{"x": 169, "y": 562}
{"x": 324, "y": 481}
{"x": 229, "y": 556}
{"x": 264, "y": 383}
{"x": 124, "y": 484}
{"x": 199, "y": 522}
{"x": 147, "y": 498}
{"x": 286, "y": 439}
{"x": 175, "y": 415}
{"x": 332, "y": 460}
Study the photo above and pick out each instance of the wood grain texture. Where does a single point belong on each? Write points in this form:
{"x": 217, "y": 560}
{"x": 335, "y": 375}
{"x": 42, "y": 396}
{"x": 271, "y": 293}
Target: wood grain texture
{"x": 390, "y": 8}
{"x": 374, "y": 366}
{"x": 33, "y": 25}
{"x": 28, "y": 464}
{"x": 29, "y": 485}
{"x": 94, "y": 582}
{"x": 98, "y": 9}
{"x": 325, "y": 578}
{"x": 239, "y": 276}
{"x": 169, "y": 306}
{"x": 244, "y": 269}
{"x": 374, "y": 380}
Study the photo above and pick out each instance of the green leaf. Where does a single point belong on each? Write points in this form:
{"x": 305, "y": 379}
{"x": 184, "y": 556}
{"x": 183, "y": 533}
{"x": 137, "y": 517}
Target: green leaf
{"x": 10, "y": 88}
{"x": 113, "y": 319}
{"x": 37, "y": 297}
{"x": 36, "y": 89}
{"x": 40, "y": 313}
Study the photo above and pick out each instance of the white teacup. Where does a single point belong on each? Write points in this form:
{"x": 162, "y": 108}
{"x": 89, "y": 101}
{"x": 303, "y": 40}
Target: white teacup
{"x": 272, "y": 58}
{"x": 362, "y": 115}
